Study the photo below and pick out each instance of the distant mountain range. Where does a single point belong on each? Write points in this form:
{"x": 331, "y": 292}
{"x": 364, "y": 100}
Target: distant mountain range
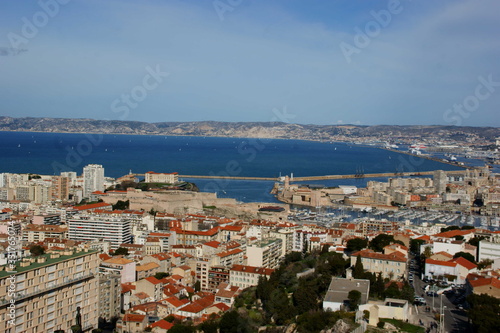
{"x": 247, "y": 129}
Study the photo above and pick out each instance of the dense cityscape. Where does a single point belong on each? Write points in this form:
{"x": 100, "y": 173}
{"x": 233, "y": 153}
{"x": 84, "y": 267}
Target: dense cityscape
{"x": 236, "y": 166}
{"x": 152, "y": 253}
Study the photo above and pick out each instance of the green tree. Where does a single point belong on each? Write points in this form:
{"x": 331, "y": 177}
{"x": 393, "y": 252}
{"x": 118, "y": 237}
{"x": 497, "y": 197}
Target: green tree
{"x": 182, "y": 328}
{"x": 378, "y": 243}
{"x": 354, "y": 297}
{"x": 392, "y": 291}
{"x": 279, "y": 307}
{"x": 121, "y": 251}
{"x": 408, "y": 293}
{"x": 484, "y": 313}
{"x": 37, "y": 250}
{"x": 231, "y": 322}
{"x": 465, "y": 255}
{"x": 121, "y": 205}
{"x": 304, "y": 298}
{"x": 475, "y": 240}
{"x": 356, "y": 244}
{"x": 378, "y": 287}
{"x": 358, "y": 272}
{"x": 427, "y": 252}
{"x": 415, "y": 245}
{"x": 484, "y": 263}
{"x": 160, "y": 275}
{"x": 197, "y": 286}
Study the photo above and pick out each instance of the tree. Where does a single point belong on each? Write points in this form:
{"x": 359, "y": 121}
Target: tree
{"x": 427, "y": 252}
{"x": 121, "y": 251}
{"x": 358, "y": 271}
{"x": 382, "y": 240}
{"x": 415, "y": 245}
{"x": 197, "y": 286}
{"x": 37, "y": 250}
{"x": 161, "y": 275}
{"x": 121, "y": 205}
{"x": 354, "y": 297}
{"x": 231, "y": 322}
{"x": 356, "y": 244}
{"x": 279, "y": 306}
{"x": 484, "y": 312}
{"x": 484, "y": 263}
{"x": 475, "y": 240}
{"x": 181, "y": 328}
{"x": 378, "y": 287}
{"x": 465, "y": 255}
{"x": 304, "y": 298}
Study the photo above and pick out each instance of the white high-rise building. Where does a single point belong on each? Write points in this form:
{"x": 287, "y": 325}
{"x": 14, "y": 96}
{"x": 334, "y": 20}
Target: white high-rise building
{"x": 93, "y": 179}
{"x": 110, "y": 228}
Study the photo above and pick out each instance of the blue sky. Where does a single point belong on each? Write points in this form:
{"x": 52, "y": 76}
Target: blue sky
{"x": 308, "y": 62}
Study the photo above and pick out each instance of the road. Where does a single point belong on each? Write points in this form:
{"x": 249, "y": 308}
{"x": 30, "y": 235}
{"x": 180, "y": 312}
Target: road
{"x": 455, "y": 320}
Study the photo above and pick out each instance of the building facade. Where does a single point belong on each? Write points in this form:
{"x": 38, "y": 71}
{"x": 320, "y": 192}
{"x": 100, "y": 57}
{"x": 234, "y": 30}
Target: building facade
{"x": 93, "y": 179}
{"x": 44, "y": 293}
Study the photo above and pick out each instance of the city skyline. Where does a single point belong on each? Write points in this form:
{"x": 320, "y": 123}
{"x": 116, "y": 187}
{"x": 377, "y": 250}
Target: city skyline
{"x": 321, "y": 63}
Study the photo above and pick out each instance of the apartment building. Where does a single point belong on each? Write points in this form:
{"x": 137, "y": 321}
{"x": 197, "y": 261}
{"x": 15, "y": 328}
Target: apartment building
{"x": 247, "y": 276}
{"x": 46, "y": 292}
{"x": 265, "y": 253}
{"x": 39, "y": 232}
{"x": 390, "y": 265}
{"x": 489, "y": 249}
{"x": 93, "y": 179}
{"x": 109, "y": 295}
{"x": 124, "y": 267}
{"x": 88, "y": 227}
{"x": 286, "y": 237}
{"x": 188, "y": 237}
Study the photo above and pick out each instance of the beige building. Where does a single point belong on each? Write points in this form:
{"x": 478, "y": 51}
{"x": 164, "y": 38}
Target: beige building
{"x": 390, "y": 265}
{"x": 44, "y": 293}
{"x": 39, "y": 232}
{"x": 247, "y": 276}
{"x": 265, "y": 253}
{"x": 155, "y": 177}
{"x": 109, "y": 295}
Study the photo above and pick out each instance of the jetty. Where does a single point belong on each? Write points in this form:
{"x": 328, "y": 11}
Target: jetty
{"x": 325, "y": 177}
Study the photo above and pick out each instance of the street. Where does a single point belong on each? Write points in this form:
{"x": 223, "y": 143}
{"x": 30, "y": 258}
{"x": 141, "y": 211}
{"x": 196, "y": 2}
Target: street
{"x": 454, "y": 320}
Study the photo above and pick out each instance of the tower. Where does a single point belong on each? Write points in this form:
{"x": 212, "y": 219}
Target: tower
{"x": 93, "y": 179}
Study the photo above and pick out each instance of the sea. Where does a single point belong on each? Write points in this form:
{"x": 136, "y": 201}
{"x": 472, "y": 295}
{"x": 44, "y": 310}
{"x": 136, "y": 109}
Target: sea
{"x": 51, "y": 153}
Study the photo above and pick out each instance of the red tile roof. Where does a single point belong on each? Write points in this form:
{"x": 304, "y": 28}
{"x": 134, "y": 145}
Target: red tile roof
{"x": 92, "y": 206}
{"x": 440, "y": 263}
{"x": 465, "y": 263}
{"x": 129, "y": 317}
{"x": 483, "y": 281}
{"x": 176, "y": 302}
{"x": 162, "y": 324}
{"x": 153, "y": 280}
{"x": 445, "y": 254}
{"x": 213, "y": 244}
{"x": 453, "y": 233}
{"x": 252, "y": 269}
{"x": 395, "y": 256}
{"x": 199, "y": 305}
